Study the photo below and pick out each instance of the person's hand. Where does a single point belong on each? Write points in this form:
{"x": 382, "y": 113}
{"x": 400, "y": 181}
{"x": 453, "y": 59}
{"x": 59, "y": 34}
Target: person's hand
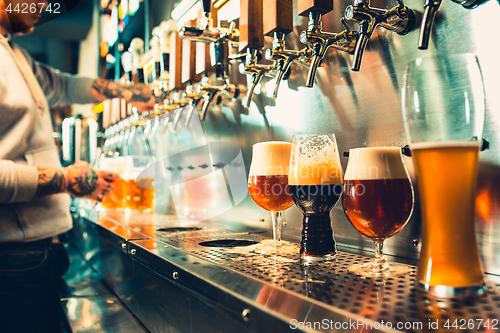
{"x": 140, "y": 96}
{"x": 84, "y": 182}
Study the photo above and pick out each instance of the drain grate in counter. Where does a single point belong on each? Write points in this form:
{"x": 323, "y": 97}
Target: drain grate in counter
{"x": 392, "y": 300}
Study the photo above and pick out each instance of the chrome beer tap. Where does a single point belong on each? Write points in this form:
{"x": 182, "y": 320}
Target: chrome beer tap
{"x": 319, "y": 42}
{"x": 284, "y": 58}
{"x": 399, "y": 19}
{"x": 430, "y": 9}
{"x": 278, "y": 22}
{"x": 255, "y": 71}
{"x": 219, "y": 39}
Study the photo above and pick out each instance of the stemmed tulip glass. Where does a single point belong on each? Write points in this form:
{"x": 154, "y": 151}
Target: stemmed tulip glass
{"x": 378, "y": 201}
{"x": 268, "y": 187}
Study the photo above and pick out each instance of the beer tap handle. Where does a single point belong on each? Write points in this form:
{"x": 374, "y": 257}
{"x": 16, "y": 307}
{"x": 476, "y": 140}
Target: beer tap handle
{"x": 175, "y": 67}
{"x": 431, "y": 8}
{"x": 206, "y": 7}
{"x": 251, "y": 25}
{"x": 188, "y": 72}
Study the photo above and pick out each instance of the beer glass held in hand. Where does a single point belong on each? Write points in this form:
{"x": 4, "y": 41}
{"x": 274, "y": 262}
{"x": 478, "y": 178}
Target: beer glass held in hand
{"x": 315, "y": 181}
{"x": 443, "y": 110}
{"x": 268, "y": 185}
{"x": 378, "y": 201}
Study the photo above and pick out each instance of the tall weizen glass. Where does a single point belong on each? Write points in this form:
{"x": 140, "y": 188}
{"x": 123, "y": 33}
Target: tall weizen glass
{"x": 443, "y": 111}
{"x": 268, "y": 186}
{"x": 315, "y": 182}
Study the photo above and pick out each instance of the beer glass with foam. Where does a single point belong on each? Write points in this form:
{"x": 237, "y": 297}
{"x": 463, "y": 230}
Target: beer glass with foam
{"x": 116, "y": 199}
{"x": 268, "y": 184}
{"x": 443, "y": 111}
{"x": 139, "y": 187}
{"x": 315, "y": 182}
{"x": 378, "y": 201}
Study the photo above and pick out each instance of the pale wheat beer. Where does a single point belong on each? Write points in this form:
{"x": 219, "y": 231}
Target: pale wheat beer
{"x": 447, "y": 173}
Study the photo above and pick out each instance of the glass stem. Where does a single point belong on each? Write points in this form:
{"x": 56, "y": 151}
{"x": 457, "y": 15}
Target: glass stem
{"x": 276, "y": 219}
{"x": 379, "y": 260}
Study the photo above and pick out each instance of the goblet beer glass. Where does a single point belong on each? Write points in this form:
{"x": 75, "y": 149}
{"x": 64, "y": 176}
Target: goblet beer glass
{"x": 443, "y": 110}
{"x": 268, "y": 183}
{"x": 315, "y": 182}
{"x": 378, "y": 201}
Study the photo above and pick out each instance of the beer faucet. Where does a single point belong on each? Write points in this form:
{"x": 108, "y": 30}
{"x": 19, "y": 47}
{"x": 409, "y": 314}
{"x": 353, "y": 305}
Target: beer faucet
{"x": 218, "y": 38}
{"x": 231, "y": 91}
{"x": 255, "y": 71}
{"x": 252, "y": 40}
{"x": 320, "y": 41}
{"x": 399, "y": 19}
{"x": 430, "y": 9}
{"x": 278, "y": 22}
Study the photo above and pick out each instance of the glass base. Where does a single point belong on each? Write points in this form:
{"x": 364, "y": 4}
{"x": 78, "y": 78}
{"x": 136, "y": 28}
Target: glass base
{"x": 380, "y": 271}
{"x": 313, "y": 259}
{"x": 440, "y": 291}
{"x": 267, "y": 247}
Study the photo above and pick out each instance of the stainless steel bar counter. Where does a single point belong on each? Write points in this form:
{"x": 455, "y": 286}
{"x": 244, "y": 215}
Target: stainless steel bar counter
{"x": 159, "y": 267}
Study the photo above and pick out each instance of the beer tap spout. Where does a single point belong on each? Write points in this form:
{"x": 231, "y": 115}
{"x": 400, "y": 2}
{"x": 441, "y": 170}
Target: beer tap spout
{"x": 319, "y": 42}
{"x": 284, "y": 58}
{"x": 255, "y": 71}
{"x": 399, "y": 19}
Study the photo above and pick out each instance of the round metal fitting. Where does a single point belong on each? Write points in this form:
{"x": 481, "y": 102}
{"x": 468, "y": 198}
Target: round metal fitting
{"x": 133, "y": 251}
{"x": 246, "y": 315}
{"x": 349, "y": 12}
{"x": 175, "y": 275}
{"x": 414, "y": 242}
{"x": 124, "y": 246}
{"x": 303, "y": 36}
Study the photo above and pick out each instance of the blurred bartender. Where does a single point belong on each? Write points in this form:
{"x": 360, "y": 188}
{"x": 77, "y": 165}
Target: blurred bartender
{"x": 34, "y": 188}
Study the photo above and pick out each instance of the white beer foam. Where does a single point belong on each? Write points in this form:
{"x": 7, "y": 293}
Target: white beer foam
{"x": 375, "y": 163}
{"x": 315, "y": 164}
{"x": 270, "y": 158}
{"x": 446, "y": 144}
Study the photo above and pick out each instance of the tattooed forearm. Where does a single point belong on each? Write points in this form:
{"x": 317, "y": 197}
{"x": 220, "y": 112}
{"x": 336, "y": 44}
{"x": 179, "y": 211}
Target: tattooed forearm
{"x": 50, "y": 181}
{"x": 81, "y": 181}
{"x": 104, "y": 89}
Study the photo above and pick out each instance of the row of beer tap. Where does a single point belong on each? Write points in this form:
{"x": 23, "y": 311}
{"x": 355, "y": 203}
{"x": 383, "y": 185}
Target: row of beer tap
{"x": 192, "y": 64}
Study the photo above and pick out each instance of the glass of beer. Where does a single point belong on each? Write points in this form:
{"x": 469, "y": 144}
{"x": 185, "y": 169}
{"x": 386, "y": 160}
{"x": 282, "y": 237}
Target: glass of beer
{"x": 443, "y": 110}
{"x": 378, "y": 201}
{"x": 116, "y": 199}
{"x": 139, "y": 193}
{"x": 268, "y": 186}
{"x": 315, "y": 182}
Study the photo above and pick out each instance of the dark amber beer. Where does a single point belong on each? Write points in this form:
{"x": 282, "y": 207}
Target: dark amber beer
{"x": 315, "y": 182}
{"x": 315, "y": 202}
{"x": 270, "y": 192}
{"x": 378, "y": 201}
{"x": 447, "y": 175}
{"x": 378, "y": 208}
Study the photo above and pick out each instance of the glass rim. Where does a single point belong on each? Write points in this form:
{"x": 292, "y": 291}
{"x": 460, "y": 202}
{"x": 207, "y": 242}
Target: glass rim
{"x": 270, "y": 142}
